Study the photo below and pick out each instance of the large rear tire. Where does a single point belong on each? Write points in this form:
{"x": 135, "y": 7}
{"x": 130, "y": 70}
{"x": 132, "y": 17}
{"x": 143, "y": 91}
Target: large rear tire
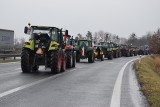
{"x": 91, "y": 58}
{"x": 77, "y": 57}
{"x": 35, "y": 68}
{"x": 63, "y": 66}
{"x": 74, "y": 59}
{"x": 26, "y": 61}
{"x": 55, "y": 62}
{"x": 69, "y": 59}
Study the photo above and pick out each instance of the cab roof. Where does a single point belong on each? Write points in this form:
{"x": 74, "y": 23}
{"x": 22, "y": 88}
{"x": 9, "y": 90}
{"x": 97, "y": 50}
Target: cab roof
{"x": 45, "y": 27}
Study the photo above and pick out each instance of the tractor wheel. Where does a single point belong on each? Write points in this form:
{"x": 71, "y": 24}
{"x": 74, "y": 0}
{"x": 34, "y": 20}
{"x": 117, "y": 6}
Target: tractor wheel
{"x": 127, "y": 54}
{"x": 77, "y": 57}
{"x": 35, "y": 68}
{"x": 102, "y": 57}
{"x": 63, "y": 65}
{"x": 74, "y": 59}
{"x": 120, "y": 54}
{"x": 56, "y": 61}
{"x": 91, "y": 58}
{"x": 116, "y": 55}
{"x": 69, "y": 59}
{"x": 110, "y": 56}
{"x": 26, "y": 61}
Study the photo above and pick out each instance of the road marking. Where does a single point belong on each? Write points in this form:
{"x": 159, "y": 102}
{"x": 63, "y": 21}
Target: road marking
{"x": 32, "y": 84}
{"x": 116, "y": 95}
{"x": 17, "y": 69}
{"x": 23, "y": 87}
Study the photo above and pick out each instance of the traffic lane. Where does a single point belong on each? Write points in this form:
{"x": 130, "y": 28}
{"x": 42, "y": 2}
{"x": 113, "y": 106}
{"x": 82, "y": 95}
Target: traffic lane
{"x": 90, "y": 86}
{"x": 17, "y": 79}
{"x": 9, "y": 67}
{"x": 131, "y": 96}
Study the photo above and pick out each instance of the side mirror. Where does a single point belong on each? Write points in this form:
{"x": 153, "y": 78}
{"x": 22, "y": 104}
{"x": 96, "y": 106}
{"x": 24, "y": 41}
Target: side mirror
{"x": 26, "y": 30}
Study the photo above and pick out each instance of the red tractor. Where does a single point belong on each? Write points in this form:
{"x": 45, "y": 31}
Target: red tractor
{"x": 70, "y": 53}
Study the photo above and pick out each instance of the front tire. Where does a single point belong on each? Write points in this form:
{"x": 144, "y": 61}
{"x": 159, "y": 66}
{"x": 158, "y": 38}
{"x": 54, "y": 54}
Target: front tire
{"x": 110, "y": 57}
{"x": 26, "y": 61}
{"x": 55, "y": 62}
{"x": 102, "y": 57}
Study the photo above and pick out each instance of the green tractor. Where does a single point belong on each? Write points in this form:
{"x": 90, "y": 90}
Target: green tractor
{"x": 116, "y": 50}
{"x": 135, "y": 50}
{"x": 84, "y": 49}
{"x": 45, "y": 47}
{"x": 70, "y": 52}
{"x": 107, "y": 48}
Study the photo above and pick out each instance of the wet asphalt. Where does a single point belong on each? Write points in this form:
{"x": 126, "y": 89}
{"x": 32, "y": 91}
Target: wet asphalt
{"x": 86, "y": 85}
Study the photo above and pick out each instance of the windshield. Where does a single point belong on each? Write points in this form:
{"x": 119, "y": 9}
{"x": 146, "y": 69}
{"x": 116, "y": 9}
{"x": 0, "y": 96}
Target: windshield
{"x": 124, "y": 46}
{"x": 86, "y": 43}
{"x": 41, "y": 31}
{"x": 50, "y": 33}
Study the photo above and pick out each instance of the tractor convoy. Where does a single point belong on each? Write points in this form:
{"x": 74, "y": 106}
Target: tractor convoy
{"x": 56, "y": 49}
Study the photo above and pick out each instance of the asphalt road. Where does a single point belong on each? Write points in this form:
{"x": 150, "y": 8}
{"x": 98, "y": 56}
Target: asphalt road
{"x": 110, "y": 83}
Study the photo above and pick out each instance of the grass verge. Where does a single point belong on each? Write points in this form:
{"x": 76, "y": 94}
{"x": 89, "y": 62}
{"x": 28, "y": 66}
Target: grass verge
{"x": 148, "y": 74}
{"x": 6, "y": 61}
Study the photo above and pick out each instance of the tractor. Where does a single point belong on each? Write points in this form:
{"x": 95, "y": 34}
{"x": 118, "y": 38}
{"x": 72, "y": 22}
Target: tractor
{"x": 116, "y": 50}
{"x": 84, "y": 49}
{"x": 45, "y": 47}
{"x": 70, "y": 52}
{"x": 126, "y": 50}
{"x": 135, "y": 50}
{"x": 107, "y": 48}
{"x": 99, "y": 52}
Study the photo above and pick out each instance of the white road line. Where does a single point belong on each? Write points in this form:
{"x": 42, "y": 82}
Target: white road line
{"x": 30, "y": 84}
{"x": 23, "y": 87}
{"x": 17, "y": 69}
{"x": 116, "y": 95}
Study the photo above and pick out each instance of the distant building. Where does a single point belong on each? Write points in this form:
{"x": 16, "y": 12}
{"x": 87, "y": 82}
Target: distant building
{"x": 6, "y": 40}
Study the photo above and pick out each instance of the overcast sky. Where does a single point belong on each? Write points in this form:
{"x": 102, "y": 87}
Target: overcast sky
{"x": 121, "y": 17}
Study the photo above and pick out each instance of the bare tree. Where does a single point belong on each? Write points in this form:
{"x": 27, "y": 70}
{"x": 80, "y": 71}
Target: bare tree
{"x": 89, "y": 35}
{"x": 154, "y": 42}
{"x": 132, "y": 39}
{"x": 79, "y": 35}
{"x": 22, "y": 41}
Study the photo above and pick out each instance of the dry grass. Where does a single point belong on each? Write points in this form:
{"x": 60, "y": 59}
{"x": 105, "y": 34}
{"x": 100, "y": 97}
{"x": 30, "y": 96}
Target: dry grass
{"x": 149, "y": 79}
{"x": 6, "y": 61}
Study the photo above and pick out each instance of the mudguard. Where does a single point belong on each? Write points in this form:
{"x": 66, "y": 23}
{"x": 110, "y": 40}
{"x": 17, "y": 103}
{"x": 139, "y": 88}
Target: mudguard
{"x": 29, "y": 45}
{"x": 53, "y": 46}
